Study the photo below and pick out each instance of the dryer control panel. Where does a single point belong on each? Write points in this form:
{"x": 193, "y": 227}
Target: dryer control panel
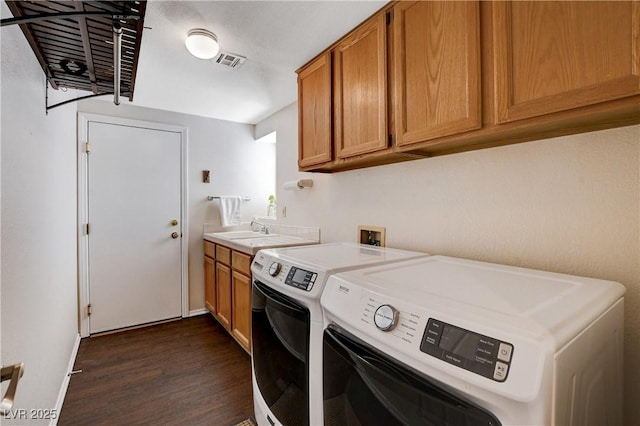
{"x": 474, "y": 352}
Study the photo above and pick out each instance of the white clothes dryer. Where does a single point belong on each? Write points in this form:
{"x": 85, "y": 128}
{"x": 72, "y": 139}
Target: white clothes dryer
{"x": 287, "y": 325}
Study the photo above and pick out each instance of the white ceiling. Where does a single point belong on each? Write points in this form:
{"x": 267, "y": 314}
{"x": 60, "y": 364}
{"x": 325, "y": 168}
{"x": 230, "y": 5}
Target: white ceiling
{"x": 277, "y": 37}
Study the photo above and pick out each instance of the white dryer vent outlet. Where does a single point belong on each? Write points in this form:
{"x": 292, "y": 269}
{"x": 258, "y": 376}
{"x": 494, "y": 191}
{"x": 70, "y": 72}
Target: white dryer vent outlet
{"x": 230, "y": 60}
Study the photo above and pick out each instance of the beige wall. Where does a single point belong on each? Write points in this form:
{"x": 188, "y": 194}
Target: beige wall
{"x": 567, "y": 205}
{"x": 38, "y": 204}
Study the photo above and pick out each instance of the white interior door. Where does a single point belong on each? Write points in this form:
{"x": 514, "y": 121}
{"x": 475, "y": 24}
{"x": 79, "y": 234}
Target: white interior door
{"x": 133, "y": 208}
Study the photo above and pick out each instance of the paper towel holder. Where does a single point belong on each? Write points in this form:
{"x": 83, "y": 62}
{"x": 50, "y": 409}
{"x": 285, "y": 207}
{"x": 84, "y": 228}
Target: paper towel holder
{"x": 298, "y": 184}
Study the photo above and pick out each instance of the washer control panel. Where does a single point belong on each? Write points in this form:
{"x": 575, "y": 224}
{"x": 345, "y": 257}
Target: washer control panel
{"x": 281, "y": 272}
{"x": 300, "y": 278}
{"x": 474, "y": 352}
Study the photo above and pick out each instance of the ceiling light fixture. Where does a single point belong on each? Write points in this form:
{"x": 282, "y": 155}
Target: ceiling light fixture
{"x": 201, "y": 43}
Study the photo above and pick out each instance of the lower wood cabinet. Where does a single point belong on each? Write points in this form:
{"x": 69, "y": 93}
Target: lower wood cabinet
{"x": 241, "y": 312}
{"x": 223, "y": 281}
{"x": 210, "y": 285}
{"x": 228, "y": 290}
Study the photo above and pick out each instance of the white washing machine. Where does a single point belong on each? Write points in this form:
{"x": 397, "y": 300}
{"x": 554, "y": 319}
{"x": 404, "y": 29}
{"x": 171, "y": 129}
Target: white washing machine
{"x": 287, "y": 325}
{"x": 446, "y": 341}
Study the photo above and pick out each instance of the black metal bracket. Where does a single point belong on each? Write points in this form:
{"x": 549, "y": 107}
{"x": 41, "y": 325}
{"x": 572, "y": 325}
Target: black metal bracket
{"x": 62, "y": 15}
{"x": 48, "y": 107}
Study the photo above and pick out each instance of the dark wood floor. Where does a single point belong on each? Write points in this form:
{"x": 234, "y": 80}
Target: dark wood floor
{"x": 187, "y": 372}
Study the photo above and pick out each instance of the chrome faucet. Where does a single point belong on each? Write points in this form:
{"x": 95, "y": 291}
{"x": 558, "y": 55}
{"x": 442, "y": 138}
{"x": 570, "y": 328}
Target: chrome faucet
{"x": 263, "y": 228}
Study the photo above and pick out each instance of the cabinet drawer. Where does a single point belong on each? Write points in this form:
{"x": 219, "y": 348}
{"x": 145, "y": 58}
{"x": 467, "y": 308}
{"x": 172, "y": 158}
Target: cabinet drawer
{"x": 223, "y": 255}
{"x": 210, "y": 249}
{"x": 241, "y": 262}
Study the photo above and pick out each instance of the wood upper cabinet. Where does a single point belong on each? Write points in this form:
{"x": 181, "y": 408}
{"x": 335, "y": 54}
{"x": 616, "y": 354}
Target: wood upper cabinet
{"x": 360, "y": 90}
{"x": 436, "y": 60}
{"x": 556, "y": 56}
{"x": 452, "y": 76}
{"x": 314, "y": 112}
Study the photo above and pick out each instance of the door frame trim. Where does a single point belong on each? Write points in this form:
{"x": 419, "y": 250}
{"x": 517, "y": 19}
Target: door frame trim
{"x": 83, "y": 208}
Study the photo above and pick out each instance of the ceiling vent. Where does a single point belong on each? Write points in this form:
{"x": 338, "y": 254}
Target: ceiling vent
{"x": 230, "y": 60}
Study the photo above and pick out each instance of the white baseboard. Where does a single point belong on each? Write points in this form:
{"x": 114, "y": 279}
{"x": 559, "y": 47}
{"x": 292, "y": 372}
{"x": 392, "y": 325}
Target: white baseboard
{"x": 197, "y": 312}
{"x": 65, "y": 381}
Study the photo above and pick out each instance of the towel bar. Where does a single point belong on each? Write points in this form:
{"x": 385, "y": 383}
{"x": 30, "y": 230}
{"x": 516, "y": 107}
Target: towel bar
{"x": 245, "y": 198}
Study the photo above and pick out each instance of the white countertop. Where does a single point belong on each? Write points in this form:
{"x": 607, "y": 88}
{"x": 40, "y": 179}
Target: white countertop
{"x": 249, "y": 242}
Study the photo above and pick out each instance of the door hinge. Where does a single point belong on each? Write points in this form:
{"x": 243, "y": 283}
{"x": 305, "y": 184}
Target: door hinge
{"x": 86, "y": 229}
{"x": 87, "y": 147}
{"x": 89, "y": 309}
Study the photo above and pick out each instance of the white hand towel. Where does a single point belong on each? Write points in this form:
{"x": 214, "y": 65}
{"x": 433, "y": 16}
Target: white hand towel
{"x": 230, "y": 210}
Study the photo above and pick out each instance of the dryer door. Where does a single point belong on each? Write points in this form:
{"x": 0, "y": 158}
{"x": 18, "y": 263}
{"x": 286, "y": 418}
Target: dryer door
{"x": 280, "y": 342}
{"x": 364, "y": 386}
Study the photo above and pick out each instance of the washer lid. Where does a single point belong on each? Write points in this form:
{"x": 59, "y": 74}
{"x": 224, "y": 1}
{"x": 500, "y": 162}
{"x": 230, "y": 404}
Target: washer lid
{"x": 497, "y": 295}
{"x": 334, "y": 257}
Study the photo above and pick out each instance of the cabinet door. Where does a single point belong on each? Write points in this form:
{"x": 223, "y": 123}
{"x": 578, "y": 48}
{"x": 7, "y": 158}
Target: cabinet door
{"x": 223, "y": 307}
{"x": 360, "y": 90}
{"x": 210, "y": 284}
{"x": 436, "y": 69}
{"x": 314, "y": 112}
{"x": 241, "y": 324}
{"x": 555, "y": 56}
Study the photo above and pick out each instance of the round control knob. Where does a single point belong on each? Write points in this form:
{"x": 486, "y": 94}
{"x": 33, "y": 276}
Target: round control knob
{"x": 274, "y": 269}
{"x": 386, "y": 317}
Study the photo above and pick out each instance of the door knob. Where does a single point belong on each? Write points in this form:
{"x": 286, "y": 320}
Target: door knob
{"x": 12, "y": 373}
{"x": 175, "y": 235}
{"x": 174, "y": 222}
